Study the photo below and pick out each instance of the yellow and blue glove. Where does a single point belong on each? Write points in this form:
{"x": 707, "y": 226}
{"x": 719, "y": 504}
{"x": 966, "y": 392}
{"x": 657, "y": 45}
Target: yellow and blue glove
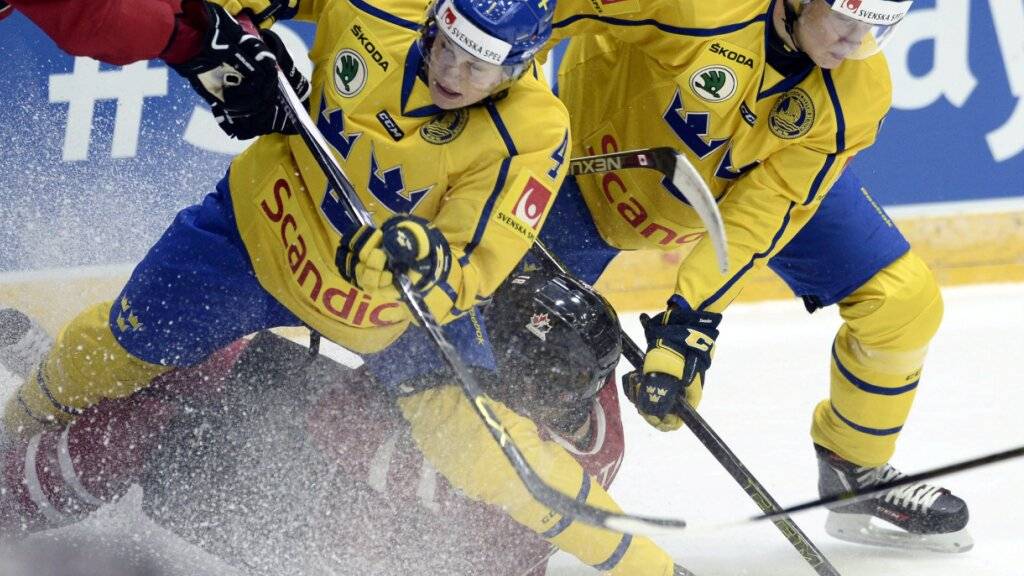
{"x": 370, "y": 257}
{"x": 680, "y": 344}
{"x": 264, "y": 12}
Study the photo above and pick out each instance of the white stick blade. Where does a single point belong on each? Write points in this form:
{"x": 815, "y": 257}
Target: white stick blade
{"x": 687, "y": 180}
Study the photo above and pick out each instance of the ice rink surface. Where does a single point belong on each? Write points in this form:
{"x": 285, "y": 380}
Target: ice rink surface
{"x": 770, "y": 370}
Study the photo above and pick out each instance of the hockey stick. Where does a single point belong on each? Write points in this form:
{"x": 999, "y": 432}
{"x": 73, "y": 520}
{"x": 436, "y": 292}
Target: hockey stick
{"x": 721, "y": 451}
{"x": 679, "y": 172}
{"x": 541, "y": 491}
{"x": 851, "y": 496}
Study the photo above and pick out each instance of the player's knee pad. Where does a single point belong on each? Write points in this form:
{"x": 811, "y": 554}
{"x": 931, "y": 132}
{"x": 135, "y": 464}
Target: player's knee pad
{"x": 876, "y": 361}
{"x": 898, "y": 310}
{"x": 85, "y": 365}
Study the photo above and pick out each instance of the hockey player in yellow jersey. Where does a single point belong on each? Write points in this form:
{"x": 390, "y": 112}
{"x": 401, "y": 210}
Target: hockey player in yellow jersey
{"x": 453, "y": 140}
{"x": 771, "y": 100}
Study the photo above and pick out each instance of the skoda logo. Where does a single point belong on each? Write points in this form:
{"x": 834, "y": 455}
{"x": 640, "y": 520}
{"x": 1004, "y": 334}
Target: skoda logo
{"x": 349, "y": 73}
{"x": 713, "y": 83}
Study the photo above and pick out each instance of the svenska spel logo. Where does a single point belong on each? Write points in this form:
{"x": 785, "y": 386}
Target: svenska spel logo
{"x": 532, "y": 203}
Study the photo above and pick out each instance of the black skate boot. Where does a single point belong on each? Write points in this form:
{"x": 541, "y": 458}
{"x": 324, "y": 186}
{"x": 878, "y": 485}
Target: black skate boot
{"x": 23, "y": 342}
{"x": 928, "y": 517}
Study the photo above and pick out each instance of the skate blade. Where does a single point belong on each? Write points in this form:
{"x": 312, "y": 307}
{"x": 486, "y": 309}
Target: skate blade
{"x": 859, "y": 529}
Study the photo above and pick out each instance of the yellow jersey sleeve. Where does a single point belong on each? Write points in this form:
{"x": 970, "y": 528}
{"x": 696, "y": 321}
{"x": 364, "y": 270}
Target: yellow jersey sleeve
{"x": 764, "y": 209}
{"x": 652, "y": 26}
{"x": 475, "y": 463}
{"x": 310, "y": 10}
{"x": 494, "y": 208}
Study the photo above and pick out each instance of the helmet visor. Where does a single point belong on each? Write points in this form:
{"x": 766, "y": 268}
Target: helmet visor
{"x": 448, "y": 58}
{"x": 865, "y": 25}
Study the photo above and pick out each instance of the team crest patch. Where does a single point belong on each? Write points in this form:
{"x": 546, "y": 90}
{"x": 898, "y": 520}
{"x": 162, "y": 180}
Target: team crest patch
{"x": 793, "y": 115}
{"x": 446, "y": 127}
{"x": 349, "y": 73}
{"x": 713, "y": 83}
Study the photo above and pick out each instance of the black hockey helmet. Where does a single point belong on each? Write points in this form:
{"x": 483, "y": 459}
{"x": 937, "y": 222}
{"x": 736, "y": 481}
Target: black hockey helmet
{"x": 556, "y": 341}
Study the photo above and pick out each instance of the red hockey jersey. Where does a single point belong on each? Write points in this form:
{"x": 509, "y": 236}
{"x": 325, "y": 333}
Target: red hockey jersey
{"x": 395, "y": 509}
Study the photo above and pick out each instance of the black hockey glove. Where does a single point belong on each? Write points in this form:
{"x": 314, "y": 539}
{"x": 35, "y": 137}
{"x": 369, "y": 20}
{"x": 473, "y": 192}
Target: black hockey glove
{"x": 679, "y": 349}
{"x": 236, "y": 72}
{"x": 244, "y": 122}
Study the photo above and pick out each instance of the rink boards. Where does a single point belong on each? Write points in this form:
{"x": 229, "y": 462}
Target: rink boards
{"x": 964, "y": 243}
{"x": 99, "y": 158}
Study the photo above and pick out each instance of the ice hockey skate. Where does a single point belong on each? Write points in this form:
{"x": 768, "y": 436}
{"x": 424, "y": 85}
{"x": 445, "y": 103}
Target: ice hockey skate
{"x": 920, "y": 516}
{"x": 23, "y": 342}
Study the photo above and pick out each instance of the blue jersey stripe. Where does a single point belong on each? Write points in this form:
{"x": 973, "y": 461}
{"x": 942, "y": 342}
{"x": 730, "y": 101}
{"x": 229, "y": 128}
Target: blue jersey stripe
{"x": 616, "y": 556}
{"x": 485, "y": 215}
{"x": 866, "y": 429}
{"x": 819, "y": 178}
{"x": 506, "y": 137}
{"x": 661, "y": 25}
{"x": 746, "y": 267}
{"x": 383, "y": 15}
{"x": 785, "y": 84}
{"x": 837, "y": 107}
{"x": 871, "y": 388}
{"x": 448, "y": 290}
{"x": 565, "y": 521}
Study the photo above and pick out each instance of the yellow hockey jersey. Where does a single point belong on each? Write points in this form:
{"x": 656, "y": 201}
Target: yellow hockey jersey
{"x": 486, "y": 175}
{"x": 769, "y": 132}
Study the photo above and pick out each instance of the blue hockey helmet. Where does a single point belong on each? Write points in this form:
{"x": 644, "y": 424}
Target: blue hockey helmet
{"x": 506, "y": 33}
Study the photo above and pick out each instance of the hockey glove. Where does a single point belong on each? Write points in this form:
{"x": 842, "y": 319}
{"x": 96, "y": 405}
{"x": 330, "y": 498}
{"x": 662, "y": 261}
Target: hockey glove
{"x": 236, "y": 73}
{"x": 242, "y": 119}
{"x": 405, "y": 244}
{"x": 5, "y": 10}
{"x": 680, "y": 345}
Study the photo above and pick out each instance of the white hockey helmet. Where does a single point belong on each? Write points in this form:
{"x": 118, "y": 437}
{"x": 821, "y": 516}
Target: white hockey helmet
{"x": 873, "y": 21}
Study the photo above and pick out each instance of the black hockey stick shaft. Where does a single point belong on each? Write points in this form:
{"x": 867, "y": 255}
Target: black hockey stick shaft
{"x": 852, "y": 496}
{"x": 732, "y": 464}
{"x": 721, "y": 451}
{"x": 541, "y": 491}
